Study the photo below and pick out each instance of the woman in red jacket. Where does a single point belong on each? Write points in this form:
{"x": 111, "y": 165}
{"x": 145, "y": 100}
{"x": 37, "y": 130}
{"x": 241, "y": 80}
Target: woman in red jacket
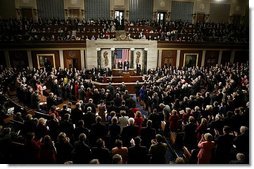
{"x": 206, "y": 146}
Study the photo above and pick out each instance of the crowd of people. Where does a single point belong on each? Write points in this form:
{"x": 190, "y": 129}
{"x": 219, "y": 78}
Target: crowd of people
{"x": 199, "y": 114}
{"x": 13, "y": 30}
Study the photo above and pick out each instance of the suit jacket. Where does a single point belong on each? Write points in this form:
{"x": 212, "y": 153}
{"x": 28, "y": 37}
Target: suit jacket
{"x": 147, "y": 134}
{"x": 76, "y": 115}
{"x": 102, "y": 154}
{"x": 128, "y": 133}
{"x": 137, "y": 155}
{"x": 98, "y": 130}
{"x": 158, "y": 152}
{"x": 81, "y": 153}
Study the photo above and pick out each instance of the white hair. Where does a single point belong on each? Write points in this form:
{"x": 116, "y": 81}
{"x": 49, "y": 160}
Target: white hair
{"x": 131, "y": 121}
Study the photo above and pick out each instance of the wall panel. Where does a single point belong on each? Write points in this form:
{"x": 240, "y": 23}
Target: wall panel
{"x": 182, "y": 11}
{"x": 241, "y": 56}
{"x": 2, "y": 58}
{"x": 225, "y": 57}
{"x": 219, "y": 13}
{"x": 183, "y": 52}
{"x": 211, "y": 58}
{"x": 96, "y": 9}
{"x": 141, "y": 9}
{"x": 168, "y": 57}
{"x": 72, "y": 58}
{"x": 50, "y": 9}
{"x": 18, "y": 59}
{"x": 55, "y": 52}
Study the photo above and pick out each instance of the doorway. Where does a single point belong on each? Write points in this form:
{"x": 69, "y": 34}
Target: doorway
{"x": 72, "y": 63}
{"x": 161, "y": 17}
{"x": 119, "y": 19}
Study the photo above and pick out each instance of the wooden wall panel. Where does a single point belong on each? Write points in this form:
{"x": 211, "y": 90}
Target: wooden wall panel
{"x": 241, "y": 57}
{"x": 72, "y": 58}
{"x": 225, "y": 57}
{"x": 168, "y": 57}
{"x": 183, "y": 52}
{"x": 2, "y": 58}
{"x": 55, "y": 52}
{"x": 18, "y": 59}
{"x": 211, "y": 58}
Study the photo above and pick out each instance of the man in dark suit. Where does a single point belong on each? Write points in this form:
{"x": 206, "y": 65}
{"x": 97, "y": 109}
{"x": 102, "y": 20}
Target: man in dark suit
{"x": 224, "y": 146}
{"x": 138, "y": 69}
{"x": 147, "y": 134}
{"x": 76, "y": 114}
{"x": 98, "y": 130}
{"x": 47, "y": 65}
{"x": 101, "y": 153}
{"x": 50, "y": 101}
{"x": 81, "y": 153}
{"x": 158, "y": 150}
{"x": 119, "y": 65}
{"x": 126, "y": 65}
{"x": 137, "y": 154}
{"x": 90, "y": 104}
{"x": 129, "y": 132}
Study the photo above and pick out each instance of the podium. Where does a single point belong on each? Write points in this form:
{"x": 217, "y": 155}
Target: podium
{"x": 126, "y": 76}
{"x": 121, "y": 72}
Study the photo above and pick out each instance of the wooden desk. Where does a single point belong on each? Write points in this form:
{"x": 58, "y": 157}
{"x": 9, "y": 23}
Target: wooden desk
{"x": 120, "y": 72}
{"x": 119, "y": 79}
{"x": 130, "y": 86}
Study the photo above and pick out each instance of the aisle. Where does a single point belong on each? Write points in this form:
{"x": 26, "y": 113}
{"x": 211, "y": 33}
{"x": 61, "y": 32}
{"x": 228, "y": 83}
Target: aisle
{"x": 141, "y": 109}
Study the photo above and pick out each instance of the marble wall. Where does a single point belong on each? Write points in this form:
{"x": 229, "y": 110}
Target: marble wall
{"x": 136, "y": 45}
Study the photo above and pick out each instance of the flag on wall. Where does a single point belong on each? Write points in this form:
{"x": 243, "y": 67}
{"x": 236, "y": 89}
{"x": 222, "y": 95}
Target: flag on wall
{"x": 122, "y": 55}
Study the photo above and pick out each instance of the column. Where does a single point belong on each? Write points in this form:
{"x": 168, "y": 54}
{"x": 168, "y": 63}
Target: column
{"x": 82, "y": 55}
{"x": 7, "y": 58}
{"x": 30, "y": 61}
{"x": 113, "y": 64}
{"x": 132, "y": 58}
{"x": 178, "y": 58}
{"x": 159, "y": 58}
{"x": 61, "y": 59}
{"x": 203, "y": 58}
{"x": 98, "y": 58}
{"x": 220, "y": 57}
{"x": 232, "y": 57}
{"x": 144, "y": 66}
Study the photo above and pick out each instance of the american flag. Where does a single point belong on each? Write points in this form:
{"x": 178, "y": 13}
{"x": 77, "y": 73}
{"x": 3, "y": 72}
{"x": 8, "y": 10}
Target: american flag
{"x": 122, "y": 55}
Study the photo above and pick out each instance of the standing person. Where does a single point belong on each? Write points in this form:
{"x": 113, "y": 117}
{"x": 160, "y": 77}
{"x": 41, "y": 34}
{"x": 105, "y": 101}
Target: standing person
{"x": 158, "y": 150}
{"x": 126, "y": 65}
{"x": 190, "y": 137}
{"x": 47, "y": 151}
{"x": 224, "y": 146}
{"x": 138, "y": 120}
{"x": 39, "y": 88}
{"x": 206, "y": 146}
{"x": 137, "y": 88}
{"x": 129, "y": 132}
{"x": 63, "y": 149}
{"x": 114, "y": 131}
{"x": 101, "y": 153}
{"x": 137, "y": 154}
{"x": 102, "y": 110}
{"x": 31, "y": 149}
{"x": 119, "y": 149}
{"x": 81, "y": 153}
{"x": 241, "y": 142}
{"x": 147, "y": 134}
{"x": 47, "y": 65}
{"x": 142, "y": 95}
